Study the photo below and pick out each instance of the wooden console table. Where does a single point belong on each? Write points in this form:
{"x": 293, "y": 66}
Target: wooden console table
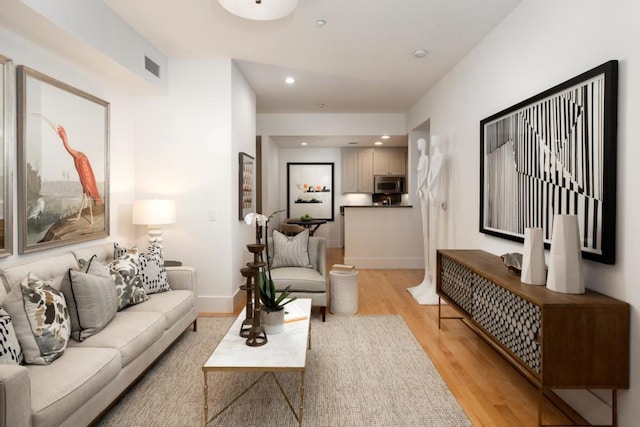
{"x": 555, "y": 340}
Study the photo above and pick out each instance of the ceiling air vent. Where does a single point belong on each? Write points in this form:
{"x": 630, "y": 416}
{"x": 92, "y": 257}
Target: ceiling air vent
{"x": 151, "y": 66}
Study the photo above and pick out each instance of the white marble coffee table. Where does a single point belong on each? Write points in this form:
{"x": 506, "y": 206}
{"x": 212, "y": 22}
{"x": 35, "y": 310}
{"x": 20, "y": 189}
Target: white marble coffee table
{"x": 286, "y": 351}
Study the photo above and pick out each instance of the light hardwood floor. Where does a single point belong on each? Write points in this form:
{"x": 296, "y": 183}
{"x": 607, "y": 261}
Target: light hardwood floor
{"x": 489, "y": 390}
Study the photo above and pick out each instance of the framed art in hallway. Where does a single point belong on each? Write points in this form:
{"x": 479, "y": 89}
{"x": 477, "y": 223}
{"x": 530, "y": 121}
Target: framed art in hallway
{"x": 247, "y": 185}
{"x": 6, "y": 141}
{"x": 310, "y": 190}
{"x": 63, "y": 163}
{"x": 554, "y": 153}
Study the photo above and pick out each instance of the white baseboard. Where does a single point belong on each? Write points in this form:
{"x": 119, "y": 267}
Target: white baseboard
{"x": 385, "y": 263}
{"x": 219, "y": 304}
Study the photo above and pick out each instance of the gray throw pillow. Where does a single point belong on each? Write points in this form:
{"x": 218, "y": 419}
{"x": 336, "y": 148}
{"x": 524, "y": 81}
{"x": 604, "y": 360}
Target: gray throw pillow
{"x": 91, "y": 298}
{"x": 10, "y": 351}
{"x": 290, "y": 251}
{"x": 41, "y": 320}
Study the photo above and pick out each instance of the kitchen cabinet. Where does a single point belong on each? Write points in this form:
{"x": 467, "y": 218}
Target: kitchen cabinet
{"x": 390, "y": 161}
{"x": 357, "y": 170}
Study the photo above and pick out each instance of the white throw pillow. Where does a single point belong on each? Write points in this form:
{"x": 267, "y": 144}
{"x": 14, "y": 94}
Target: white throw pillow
{"x": 10, "y": 351}
{"x": 291, "y": 251}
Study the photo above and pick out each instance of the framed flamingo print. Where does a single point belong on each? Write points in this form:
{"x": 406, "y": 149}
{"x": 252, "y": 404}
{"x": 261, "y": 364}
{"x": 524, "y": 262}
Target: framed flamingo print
{"x": 63, "y": 163}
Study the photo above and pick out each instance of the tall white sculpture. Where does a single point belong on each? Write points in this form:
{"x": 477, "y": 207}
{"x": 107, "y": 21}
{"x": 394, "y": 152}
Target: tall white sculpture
{"x": 432, "y": 193}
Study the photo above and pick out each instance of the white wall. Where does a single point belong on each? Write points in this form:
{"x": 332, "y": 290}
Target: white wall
{"x": 543, "y": 43}
{"x": 187, "y": 148}
{"x": 122, "y": 112}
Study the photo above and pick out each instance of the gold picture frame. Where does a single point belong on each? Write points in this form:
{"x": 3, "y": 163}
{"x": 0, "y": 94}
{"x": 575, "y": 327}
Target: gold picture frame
{"x": 63, "y": 163}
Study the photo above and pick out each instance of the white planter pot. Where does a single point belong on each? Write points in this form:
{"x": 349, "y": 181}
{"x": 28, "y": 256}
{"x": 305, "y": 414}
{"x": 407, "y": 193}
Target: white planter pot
{"x": 565, "y": 258}
{"x": 534, "y": 270}
{"x": 272, "y": 321}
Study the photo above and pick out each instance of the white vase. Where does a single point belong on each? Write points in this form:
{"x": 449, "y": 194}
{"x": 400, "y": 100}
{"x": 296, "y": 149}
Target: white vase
{"x": 272, "y": 321}
{"x": 534, "y": 271}
{"x": 565, "y": 258}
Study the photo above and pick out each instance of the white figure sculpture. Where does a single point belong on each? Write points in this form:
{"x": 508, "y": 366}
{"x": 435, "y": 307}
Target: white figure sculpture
{"x": 432, "y": 194}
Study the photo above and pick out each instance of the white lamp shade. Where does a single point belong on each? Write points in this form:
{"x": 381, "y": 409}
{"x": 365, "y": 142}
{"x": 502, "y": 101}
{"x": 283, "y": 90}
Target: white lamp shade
{"x": 266, "y": 11}
{"x": 154, "y": 211}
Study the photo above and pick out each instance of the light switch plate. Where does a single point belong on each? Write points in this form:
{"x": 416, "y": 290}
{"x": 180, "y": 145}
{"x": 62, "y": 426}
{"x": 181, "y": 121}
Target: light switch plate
{"x": 212, "y": 214}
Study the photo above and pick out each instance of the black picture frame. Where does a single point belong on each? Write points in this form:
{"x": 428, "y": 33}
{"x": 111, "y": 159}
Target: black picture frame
{"x": 310, "y": 190}
{"x": 246, "y": 185}
{"x": 555, "y": 153}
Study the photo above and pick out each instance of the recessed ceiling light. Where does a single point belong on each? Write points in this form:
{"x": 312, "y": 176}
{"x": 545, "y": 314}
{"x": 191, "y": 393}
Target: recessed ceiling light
{"x": 420, "y": 53}
{"x": 385, "y": 137}
{"x": 353, "y": 143}
{"x": 321, "y": 105}
{"x": 290, "y": 80}
{"x": 303, "y": 143}
{"x": 321, "y": 22}
{"x": 377, "y": 143}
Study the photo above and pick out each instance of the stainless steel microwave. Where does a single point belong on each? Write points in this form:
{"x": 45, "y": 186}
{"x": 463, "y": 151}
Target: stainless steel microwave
{"x": 389, "y": 184}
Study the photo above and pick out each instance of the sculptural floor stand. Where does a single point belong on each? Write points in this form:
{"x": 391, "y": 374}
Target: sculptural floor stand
{"x": 425, "y": 292}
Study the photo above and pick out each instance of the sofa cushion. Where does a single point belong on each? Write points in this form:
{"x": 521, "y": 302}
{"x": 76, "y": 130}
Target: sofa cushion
{"x": 41, "y": 320}
{"x": 10, "y": 351}
{"x": 91, "y": 298}
{"x": 300, "y": 279}
{"x": 173, "y": 305}
{"x": 95, "y": 300}
{"x": 290, "y": 251}
{"x": 126, "y": 275}
{"x": 60, "y": 389}
{"x": 129, "y": 332}
{"x": 151, "y": 264}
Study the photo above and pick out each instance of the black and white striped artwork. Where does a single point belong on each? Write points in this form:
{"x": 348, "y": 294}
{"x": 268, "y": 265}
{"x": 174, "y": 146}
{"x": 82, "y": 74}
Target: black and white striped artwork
{"x": 554, "y": 154}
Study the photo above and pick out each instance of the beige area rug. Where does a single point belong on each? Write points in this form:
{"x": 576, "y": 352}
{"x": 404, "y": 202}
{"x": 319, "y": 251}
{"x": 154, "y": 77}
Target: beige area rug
{"x": 361, "y": 371}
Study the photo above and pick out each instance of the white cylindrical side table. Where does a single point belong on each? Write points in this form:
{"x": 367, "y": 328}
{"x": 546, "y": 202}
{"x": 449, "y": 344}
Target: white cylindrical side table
{"x": 344, "y": 292}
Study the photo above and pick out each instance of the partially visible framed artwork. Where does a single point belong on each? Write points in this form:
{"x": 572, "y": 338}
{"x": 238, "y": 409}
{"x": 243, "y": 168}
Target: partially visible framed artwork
{"x": 310, "y": 190}
{"x": 247, "y": 184}
{"x": 63, "y": 163}
{"x": 6, "y": 142}
{"x": 555, "y": 153}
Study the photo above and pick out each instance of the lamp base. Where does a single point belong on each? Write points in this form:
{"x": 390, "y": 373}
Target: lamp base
{"x": 155, "y": 235}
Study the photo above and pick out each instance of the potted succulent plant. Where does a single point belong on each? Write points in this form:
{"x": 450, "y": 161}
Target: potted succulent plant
{"x": 272, "y": 314}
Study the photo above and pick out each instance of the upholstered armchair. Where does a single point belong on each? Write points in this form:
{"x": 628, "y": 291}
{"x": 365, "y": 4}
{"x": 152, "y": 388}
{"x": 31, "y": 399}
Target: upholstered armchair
{"x": 300, "y": 261}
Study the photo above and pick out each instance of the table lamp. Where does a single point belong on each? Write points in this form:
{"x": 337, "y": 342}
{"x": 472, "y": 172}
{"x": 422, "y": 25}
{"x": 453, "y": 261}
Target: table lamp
{"x": 153, "y": 213}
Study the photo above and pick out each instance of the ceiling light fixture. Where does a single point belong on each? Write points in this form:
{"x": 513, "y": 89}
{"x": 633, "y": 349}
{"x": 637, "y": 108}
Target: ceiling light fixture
{"x": 303, "y": 143}
{"x": 290, "y": 80}
{"x": 385, "y": 137}
{"x": 258, "y": 11}
{"x": 321, "y": 22}
{"x": 420, "y": 53}
{"x": 377, "y": 143}
{"x": 321, "y": 105}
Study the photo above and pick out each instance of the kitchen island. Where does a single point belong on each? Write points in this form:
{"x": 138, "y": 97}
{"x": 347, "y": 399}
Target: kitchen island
{"x": 383, "y": 236}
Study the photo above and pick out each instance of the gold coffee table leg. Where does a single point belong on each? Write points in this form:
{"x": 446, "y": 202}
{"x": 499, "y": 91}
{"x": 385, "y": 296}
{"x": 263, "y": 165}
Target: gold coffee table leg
{"x": 301, "y": 412}
{"x": 206, "y": 398}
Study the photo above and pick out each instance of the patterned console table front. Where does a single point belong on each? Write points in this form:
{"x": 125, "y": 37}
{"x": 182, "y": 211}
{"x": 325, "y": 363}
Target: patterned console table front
{"x": 555, "y": 340}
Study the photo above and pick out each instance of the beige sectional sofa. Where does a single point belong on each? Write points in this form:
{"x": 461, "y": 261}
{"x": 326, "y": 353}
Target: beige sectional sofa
{"x": 77, "y": 387}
